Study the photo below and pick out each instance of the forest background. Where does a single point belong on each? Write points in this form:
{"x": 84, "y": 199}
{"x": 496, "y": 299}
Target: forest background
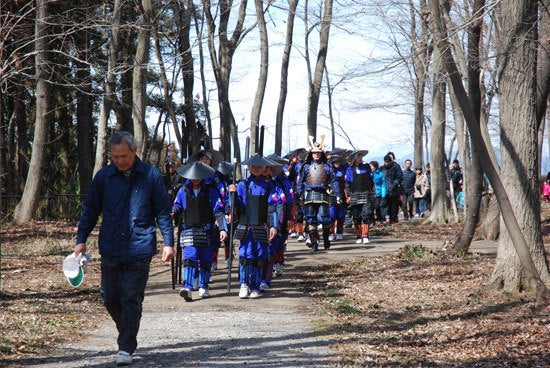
{"x": 470, "y": 77}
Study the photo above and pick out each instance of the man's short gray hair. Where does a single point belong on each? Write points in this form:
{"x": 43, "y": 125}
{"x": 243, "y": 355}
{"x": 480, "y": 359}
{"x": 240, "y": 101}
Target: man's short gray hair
{"x": 122, "y": 137}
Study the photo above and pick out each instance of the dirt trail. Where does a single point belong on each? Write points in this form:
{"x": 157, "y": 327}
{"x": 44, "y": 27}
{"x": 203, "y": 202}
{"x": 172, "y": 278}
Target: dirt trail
{"x": 276, "y": 330}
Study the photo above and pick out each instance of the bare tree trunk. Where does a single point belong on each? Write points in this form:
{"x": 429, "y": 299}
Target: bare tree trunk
{"x": 25, "y": 209}
{"x": 473, "y": 171}
{"x": 437, "y": 155}
{"x": 262, "y": 79}
{"x": 188, "y": 70}
{"x": 422, "y": 52}
{"x": 199, "y": 23}
{"x": 109, "y": 85}
{"x": 490, "y": 227}
{"x": 528, "y": 267}
{"x": 292, "y": 5}
{"x": 315, "y": 87}
{"x": 519, "y": 142}
{"x": 222, "y": 65}
{"x": 139, "y": 80}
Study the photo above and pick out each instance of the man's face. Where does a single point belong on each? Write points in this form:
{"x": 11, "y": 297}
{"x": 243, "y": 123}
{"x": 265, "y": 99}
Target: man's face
{"x": 256, "y": 170}
{"x": 316, "y": 156}
{"x": 359, "y": 160}
{"x": 123, "y": 157}
{"x": 172, "y": 169}
{"x": 267, "y": 171}
{"x": 387, "y": 163}
{"x": 407, "y": 164}
{"x": 206, "y": 160}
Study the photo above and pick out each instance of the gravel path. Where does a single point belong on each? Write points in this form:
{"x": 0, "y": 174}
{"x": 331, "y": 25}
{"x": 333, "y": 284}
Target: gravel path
{"x": 277, "y": 330}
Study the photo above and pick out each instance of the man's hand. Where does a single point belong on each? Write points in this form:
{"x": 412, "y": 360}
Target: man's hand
{"x": 272, "y": 233}
{"x": 223, "y": 235}
{"x": 167, "y": 253}
{"x": 80, "y": 248}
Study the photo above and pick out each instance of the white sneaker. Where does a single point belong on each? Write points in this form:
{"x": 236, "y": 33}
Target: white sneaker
{"x": 203, "y": 293}
{"x": 308, "y": 241}
{"x": 279, "y": 269}
{"x": 255, "y": 294}
{"x": 339, "y": 236}
{"x": 186, "y": 294}
{"x": 359, "y": 241}
{"x": 243, "y": 293}
{"x": 293, "y": 234}
{"x": 331, "y": 237}
{"x": 263, "y": 287}
{"x": 214, "y": 266}
{"x": 123, "y": 358}
{"x": 365, "y": 240}
{"x": 301, "y": 238}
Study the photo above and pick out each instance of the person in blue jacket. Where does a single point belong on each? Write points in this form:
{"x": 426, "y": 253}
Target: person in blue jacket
{"x": 257, "y": 226}
{"x": 379, "y": 181}
{"x": 131, "y": 197}
{"x": 201, "y": 208}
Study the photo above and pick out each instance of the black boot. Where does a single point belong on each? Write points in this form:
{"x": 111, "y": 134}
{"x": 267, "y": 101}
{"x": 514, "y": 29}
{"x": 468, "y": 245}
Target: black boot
{"x": 326, "y": 234}
{"x": 314, "y": 237}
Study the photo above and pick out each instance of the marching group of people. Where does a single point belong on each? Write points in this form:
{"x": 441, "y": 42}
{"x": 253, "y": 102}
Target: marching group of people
{"x": 295, "y": 196}
{"x": 309, "y": 190}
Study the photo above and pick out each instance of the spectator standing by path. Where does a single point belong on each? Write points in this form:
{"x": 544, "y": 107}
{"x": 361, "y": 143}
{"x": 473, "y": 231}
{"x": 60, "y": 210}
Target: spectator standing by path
{"x": 379, "y": 181}
{"x": 455, "y": 174}
{"x": 420, "y": 189}
{"x": 132, "y": 199}
{"x": 394, "y": 177}
{"x": 428, "y": 196}
{"x": 407, "y": 201}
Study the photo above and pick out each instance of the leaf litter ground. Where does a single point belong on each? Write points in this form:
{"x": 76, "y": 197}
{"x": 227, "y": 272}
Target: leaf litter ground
{"x": 414, "y": 308}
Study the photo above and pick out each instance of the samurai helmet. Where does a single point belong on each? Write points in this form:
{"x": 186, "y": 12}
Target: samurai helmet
{"x": 316, "y": 146}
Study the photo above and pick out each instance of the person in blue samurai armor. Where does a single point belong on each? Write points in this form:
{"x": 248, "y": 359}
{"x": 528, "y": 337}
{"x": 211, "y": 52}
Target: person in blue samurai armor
{"x": 338, "y": 210}
{"x": 276, "y": 205}
{"x": 203, "y": 226}
{"x": 361, "y": 192}
{"x": 315, "y": 185}
{"x": 281, "y": 178}
{"x": 257, "y": 225}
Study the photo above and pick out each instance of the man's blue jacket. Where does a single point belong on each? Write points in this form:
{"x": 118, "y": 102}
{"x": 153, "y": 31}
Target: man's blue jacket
{"x": 131, "y": 207}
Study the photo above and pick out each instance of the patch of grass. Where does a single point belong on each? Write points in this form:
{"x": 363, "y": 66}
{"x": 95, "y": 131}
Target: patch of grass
{"x": 5, "y": 348}
{"x": 345, "y": 306}
{"x": 412, "y": 251}
{"x": 330, "y": 292}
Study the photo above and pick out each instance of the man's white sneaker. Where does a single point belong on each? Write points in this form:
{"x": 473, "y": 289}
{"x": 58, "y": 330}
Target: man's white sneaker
{"x": 186, "y": 294}
{"x": 359, "y": 241}
{"x": 308, "y": 241}
{"x": 293, "y": 234}
{"x": 365, "y": 240}
{"x": 203, "y": 293}
{"x": 331, "y": 237}
{"x": 123, "y": 358}
{"x": 301, "y": 238}
{"x": 339, "y": 236}
{"x": 214, "y": 266}
{"x": 243, "y": 293}
{"x": 255, "y": 294}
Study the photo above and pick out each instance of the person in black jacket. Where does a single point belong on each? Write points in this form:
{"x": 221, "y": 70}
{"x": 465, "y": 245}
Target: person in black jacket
{"x": 407, "y": 202}
{"x": 394, "y": 179}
